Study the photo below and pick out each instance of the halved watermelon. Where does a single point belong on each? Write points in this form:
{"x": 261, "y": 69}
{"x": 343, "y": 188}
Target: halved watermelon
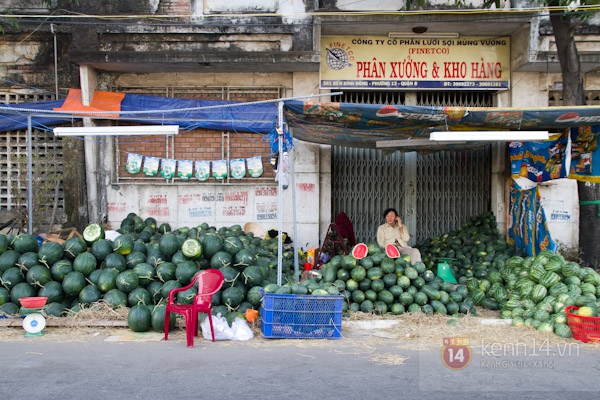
{"x": 360, "y": 251}
{"x": 392, "y": 251}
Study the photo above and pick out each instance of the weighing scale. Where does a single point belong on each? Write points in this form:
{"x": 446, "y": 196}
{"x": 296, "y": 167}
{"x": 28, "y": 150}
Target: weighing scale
{"x": 34, "y": 324}
{"x": 34, "y": 321}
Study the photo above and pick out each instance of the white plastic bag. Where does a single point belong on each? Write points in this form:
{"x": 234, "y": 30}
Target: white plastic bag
{"x": 241, "y": 330}
{"x": 220, "y": 326}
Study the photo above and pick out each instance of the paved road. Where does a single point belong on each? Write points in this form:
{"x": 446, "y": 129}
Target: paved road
{"x": 349, "y": 368}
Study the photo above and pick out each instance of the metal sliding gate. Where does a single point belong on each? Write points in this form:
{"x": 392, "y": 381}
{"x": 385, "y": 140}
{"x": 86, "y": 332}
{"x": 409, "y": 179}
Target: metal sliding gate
{"x": 452, "y": 186}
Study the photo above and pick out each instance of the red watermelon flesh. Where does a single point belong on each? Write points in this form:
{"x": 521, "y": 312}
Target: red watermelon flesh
{"x": 392, "y": 251}
{"x": 360, "y": 251}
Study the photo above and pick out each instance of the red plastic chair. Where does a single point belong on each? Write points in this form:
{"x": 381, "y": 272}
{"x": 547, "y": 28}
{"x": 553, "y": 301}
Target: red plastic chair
{"x": 209, "y": 282}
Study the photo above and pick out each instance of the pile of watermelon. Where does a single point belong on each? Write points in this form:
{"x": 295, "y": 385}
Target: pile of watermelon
{"x": 138, "y": 269}
{"x": 380, "y": 284}
{"x": 145, "y": 262}
{"x": 531, "y": 291}
{"x": 489, "y": 272}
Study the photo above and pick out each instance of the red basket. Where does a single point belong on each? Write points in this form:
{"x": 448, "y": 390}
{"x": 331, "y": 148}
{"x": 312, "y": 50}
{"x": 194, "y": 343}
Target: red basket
{"x": 585, "y": 329}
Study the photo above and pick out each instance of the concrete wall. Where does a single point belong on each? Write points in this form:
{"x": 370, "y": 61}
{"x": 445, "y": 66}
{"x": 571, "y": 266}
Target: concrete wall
{"x": 227, "y": 204}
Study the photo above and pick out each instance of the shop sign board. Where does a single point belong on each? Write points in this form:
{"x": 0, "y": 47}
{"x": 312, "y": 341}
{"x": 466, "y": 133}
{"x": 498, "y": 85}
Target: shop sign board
{"x": 379, "y": 62}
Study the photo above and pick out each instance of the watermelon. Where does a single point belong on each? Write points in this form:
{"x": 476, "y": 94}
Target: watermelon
{"x": 24, "y": 242}
{"x": 27, "y": 260}
{"x": 158, "y": 318}
{"x": 107, "y": 280}
{"x": 4, "y": 295}
{"x": 254, "y": 296}
{"x": 252, "y": 276}
{"x": 232, "y": 245}
{"x": 38, "y": 276}
{"x": 191, "y": 248}
{"x": 360, "y": 251}
{"x": 168, "y": 286}
{"x": 60, "y": 269}
{"x": 100, "y": 249}
{"x": 411, "y": 273}
{"x": 9, "y": 308}
{"x": 9, "y": 259}
{"x": 92, "y": 233}
{"x": 134, "y": 258}
{"x": 49, "y": 253}
{"x": 140, "y": 295}
{"x": 127, "y": 281}
{"x": 123, "y": 244}
{"x": 358, "y": 273}
{"x": 329, "y": 272}
{"x": 89, "y": 294}
{"x": 115, "y": 261}
{"x": 85, "y": 263}
{"x": 166, "y": 271}
{"x": 392, "y": 251}
{"x": 73, "y": 283}
{"x": 115, "y": 298}
{"x": 139, "y": 318}
{"x": 168, "y": 244}
{"x": 221, "y": 259}
{"x": 55, "y": 309}
{"x": 73, "y": 246}
{"x": 4, "y": 242}
{"x": 244, "y": 258}
{"x": 211, "y": 244}
{"x": 184, "y": 272}
{"x": 22, "y": 289}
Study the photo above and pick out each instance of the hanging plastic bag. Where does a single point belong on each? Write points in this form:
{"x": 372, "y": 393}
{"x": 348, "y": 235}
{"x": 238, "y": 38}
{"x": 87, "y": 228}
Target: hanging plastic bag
{"x": 281, "y": 173}
{"x": 255, "y": 167}
{"x": 134, "y": 163}
{"x": 220, "y": 326}
{"x": 202, "y": 170}
{"x": 241, "y": 330}
{"x": 151, "y": 166}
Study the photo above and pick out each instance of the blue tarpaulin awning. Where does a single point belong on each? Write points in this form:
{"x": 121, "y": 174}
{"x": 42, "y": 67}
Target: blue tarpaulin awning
{"x": 187, "y": 113}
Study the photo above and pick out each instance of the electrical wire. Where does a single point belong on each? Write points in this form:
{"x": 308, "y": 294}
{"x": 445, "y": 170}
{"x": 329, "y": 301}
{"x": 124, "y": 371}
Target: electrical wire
{"x": 455, "y": 11}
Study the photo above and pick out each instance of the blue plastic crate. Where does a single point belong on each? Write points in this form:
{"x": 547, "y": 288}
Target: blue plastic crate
{"x": 295, "y": 316}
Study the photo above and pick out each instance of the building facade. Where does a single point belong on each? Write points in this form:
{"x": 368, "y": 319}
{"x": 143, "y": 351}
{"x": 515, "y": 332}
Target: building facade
{"x": 257, "y": 50}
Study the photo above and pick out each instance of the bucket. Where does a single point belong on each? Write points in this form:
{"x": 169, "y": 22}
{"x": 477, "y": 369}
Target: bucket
{"x": 445, "y": 272}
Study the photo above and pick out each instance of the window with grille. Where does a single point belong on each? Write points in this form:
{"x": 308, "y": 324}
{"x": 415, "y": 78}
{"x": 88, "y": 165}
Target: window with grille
{"x": 555, "y": 97}
{"x": 456, "y": 99}
{"x": 47, "y": 161}
{"x": 361, "y": 97}
{"x": 200, "y": 144}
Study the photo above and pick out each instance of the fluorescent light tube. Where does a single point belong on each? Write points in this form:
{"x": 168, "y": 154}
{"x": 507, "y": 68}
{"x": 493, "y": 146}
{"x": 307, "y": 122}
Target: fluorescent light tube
{"x": 497, "y": 136}
{"x": 410, "y": 143}
{"x": 117, "y": 130}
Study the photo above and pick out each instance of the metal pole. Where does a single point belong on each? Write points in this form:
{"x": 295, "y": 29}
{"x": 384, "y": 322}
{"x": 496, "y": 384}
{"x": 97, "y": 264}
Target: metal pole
{"x": 279, "y": 192}
{"x": 55, "y": 62}
{"x": 294, "y": 219}
{"x": 29, "y": 178}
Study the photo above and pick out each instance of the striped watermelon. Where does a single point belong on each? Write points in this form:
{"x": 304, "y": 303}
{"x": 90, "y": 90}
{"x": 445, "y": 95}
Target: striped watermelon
{"x": 570, "y": 269}
{"x": 549, "y": 278}
{"x": 538, "y": 292}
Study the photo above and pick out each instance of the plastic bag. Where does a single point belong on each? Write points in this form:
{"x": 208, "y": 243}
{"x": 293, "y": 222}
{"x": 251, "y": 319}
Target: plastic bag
{"x": 241, "y": 330}
{"x": 220, "y": 326}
